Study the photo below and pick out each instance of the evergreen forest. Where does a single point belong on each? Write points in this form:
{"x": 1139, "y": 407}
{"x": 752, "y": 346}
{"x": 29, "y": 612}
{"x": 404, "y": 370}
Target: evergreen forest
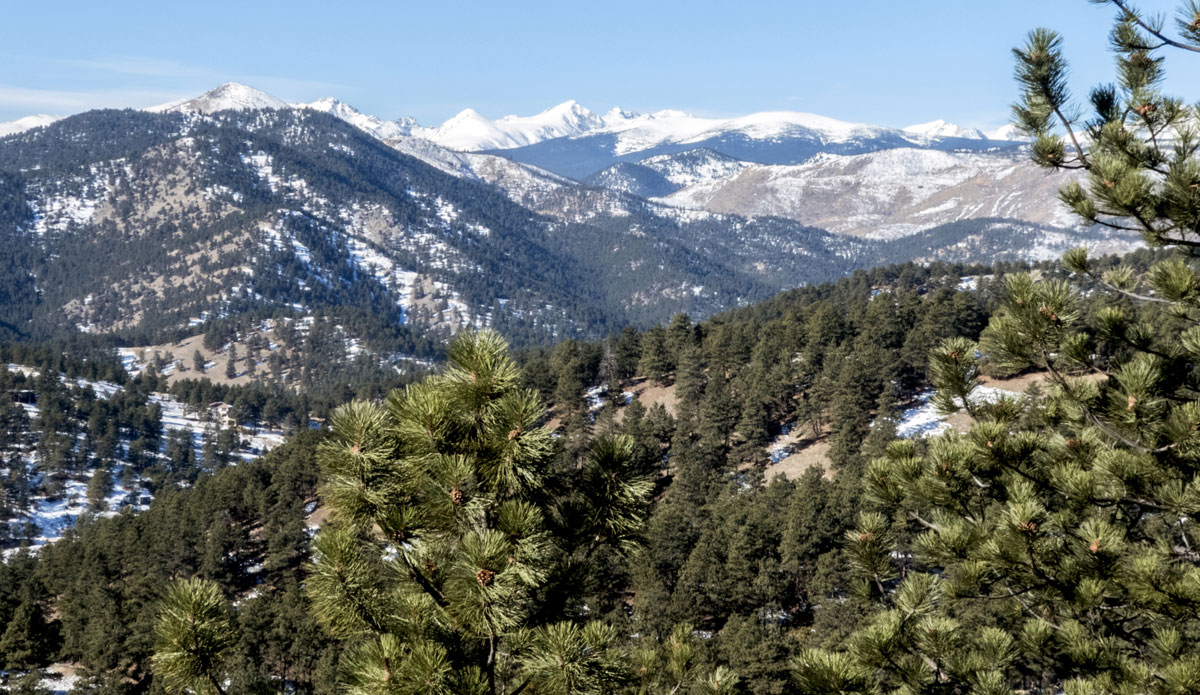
{"x": 929, "y": 478}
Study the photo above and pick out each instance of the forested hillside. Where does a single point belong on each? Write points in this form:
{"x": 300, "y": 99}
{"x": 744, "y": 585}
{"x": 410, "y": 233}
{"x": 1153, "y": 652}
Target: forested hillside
{"x": 754, "y": 564}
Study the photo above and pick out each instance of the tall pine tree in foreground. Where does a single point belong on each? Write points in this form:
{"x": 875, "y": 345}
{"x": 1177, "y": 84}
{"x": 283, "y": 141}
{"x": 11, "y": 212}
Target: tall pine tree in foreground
{"x": 458, "y": 554}
{"x": 1054, "y": 547}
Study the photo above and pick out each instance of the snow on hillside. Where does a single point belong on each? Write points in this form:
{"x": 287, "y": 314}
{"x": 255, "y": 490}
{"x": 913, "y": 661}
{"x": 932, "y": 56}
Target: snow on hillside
{"x": 27, "y": 123}
{"x": 694, "y": 166}
{"x": 69, "y": 203}
{"x": 52, "y": 516}
{"x": 922, "y": 419}
{"x": 383, "y": 269}
{"x": 889, "y": 193}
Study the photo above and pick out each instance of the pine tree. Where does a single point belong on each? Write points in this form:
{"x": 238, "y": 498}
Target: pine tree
{"x": 193, "y": 638}
{"x": 680, "y": 336}
{"x": 689, "y": 385}
{"x": 231, "y": 363}
{"x": 1051, "y": 548}
{"x": 27, "y": 640}
{"x": 655, "y": 363}
{"x": 627, "y": 350}
{"x": 752, "y": 432}
{"x": 450, "y": 535}
{"x": 98, "y": 488}
{"x": 718, "y": 414}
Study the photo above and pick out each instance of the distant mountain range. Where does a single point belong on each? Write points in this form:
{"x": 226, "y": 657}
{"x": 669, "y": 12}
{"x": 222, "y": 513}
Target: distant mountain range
{"x": 470, "y": 131}
{"x": 154, "y": 224}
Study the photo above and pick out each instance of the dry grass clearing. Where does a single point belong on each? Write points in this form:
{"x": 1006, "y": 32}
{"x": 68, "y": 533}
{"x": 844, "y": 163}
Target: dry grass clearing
{"x": 184, "y": 351}
{"x": 650, "y": 394}
{"x": 807, "y": 453}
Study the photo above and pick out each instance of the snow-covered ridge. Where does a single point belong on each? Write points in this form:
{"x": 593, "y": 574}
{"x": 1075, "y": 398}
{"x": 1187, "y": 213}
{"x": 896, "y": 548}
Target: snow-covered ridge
{"x": 694, "y": 166}
{"x": 942, "y": 129}
{"x": 372, "y": 125}
{"x": 468, "y": 130}
{"x": 471, "y": 131}
{"x": 27, "y": 123}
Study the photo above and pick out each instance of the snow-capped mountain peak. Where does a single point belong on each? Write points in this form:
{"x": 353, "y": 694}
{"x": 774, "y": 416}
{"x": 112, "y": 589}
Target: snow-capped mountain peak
{"x": 27, "y": 123}
{"x": 468, "y": 130}
{"x": 617, "y": 115}
{"x": 943, "y": 129}
{"x": 569, "y": 118}
{"x": 370, "y": 124}
{"x": 231, "y": 95}
{"x": 1007, "y": 132}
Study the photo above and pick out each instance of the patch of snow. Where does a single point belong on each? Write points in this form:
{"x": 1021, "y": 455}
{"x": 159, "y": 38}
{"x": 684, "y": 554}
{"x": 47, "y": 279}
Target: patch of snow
{"x": 595, "y": 397}
{"x": 60, "y": 682}
{"x": 923, "y": 419}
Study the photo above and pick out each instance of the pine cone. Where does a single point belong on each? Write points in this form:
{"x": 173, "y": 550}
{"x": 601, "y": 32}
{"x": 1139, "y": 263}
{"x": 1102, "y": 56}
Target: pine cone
{"x": 457, "y": 496}
{"x": 485, "y": 577}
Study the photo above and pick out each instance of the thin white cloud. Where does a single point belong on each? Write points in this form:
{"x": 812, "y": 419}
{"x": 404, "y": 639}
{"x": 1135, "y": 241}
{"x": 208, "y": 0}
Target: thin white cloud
{"x": 72, "y": 101}
{"x": 153, "y": 67}
{"x": 132, "y": 65}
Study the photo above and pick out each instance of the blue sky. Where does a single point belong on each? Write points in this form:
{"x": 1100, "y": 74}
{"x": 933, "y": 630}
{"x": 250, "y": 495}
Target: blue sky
{"x": 876, "y": 61}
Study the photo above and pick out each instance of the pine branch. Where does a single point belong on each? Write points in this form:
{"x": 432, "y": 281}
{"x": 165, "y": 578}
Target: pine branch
{"x": 1082, "y": 157}
{"x": 1166, "y": 40}
{"x": 423, "y": 581}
